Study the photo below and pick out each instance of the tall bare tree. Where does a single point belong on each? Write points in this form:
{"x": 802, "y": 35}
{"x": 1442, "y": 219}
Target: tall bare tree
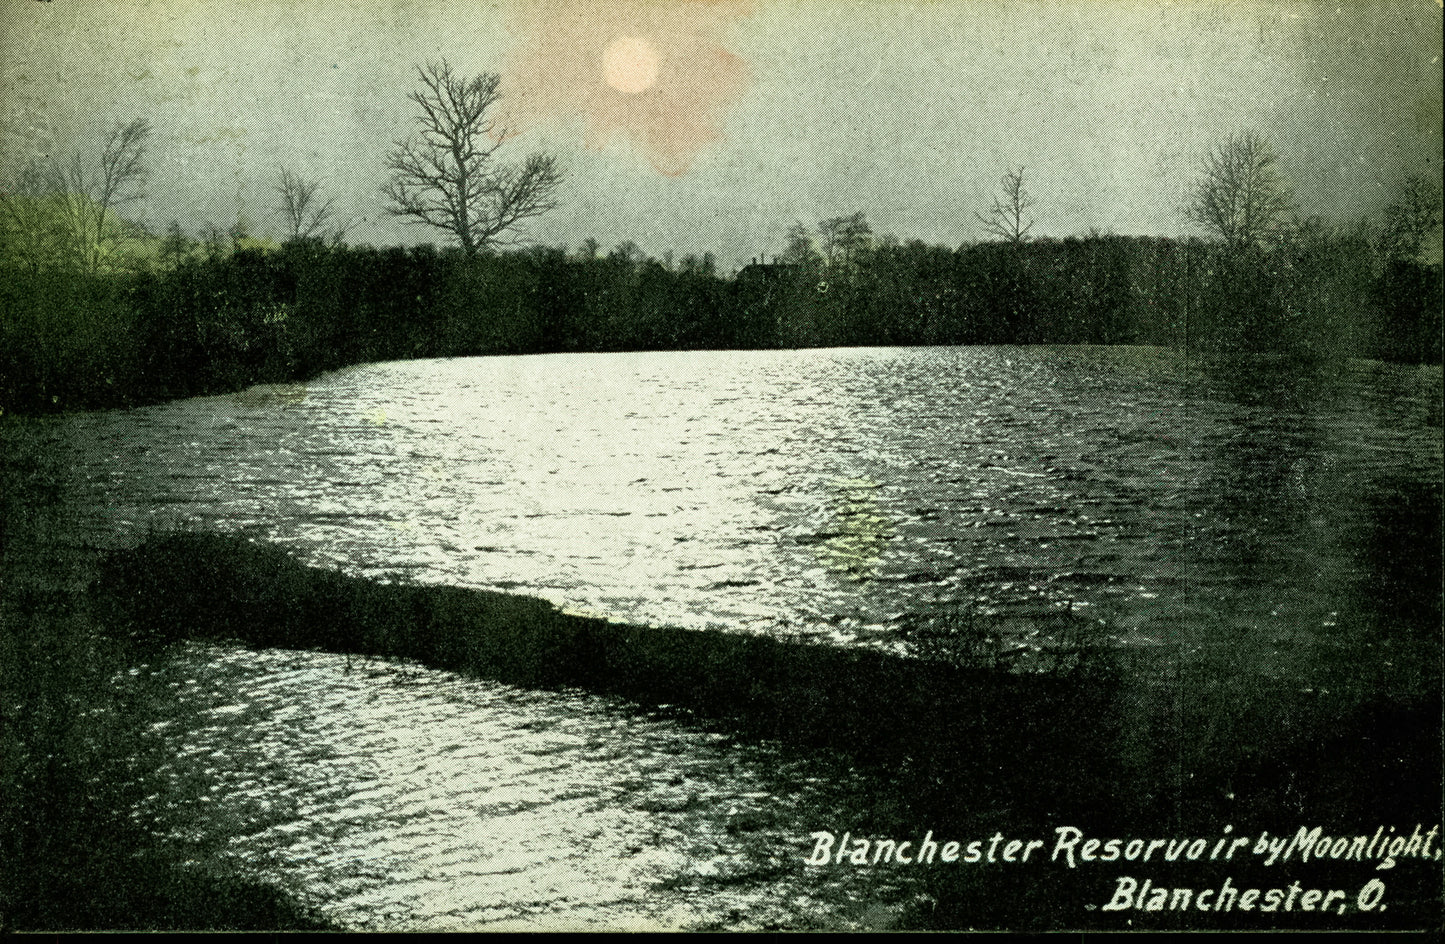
{"x": 66, "y": 212}
{"x": 1005, "y": 219}
{"x": 305, "y": 214}
{"x": 800, "y": 249}
{"x": 93, "y": 195}
{"x": 1413, "y": 218}
{"x": 1239, "y": 197}
{"x": 447, "y": 177}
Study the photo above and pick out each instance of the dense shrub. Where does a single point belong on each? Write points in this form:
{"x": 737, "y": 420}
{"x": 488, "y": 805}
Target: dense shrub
{"x": 224, "y": 320}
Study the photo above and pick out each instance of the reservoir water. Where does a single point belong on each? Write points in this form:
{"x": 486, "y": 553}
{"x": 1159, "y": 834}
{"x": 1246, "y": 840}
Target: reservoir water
{"x": 815, "y": 493}
{"x": 837, "y": 495}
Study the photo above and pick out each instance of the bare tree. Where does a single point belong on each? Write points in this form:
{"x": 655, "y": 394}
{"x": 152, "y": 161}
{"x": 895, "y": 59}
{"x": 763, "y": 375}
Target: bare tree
{"x": 65, "y": 212}
{"x": 800, "y": 249}
{"x": 306, "y": 215}
{"x": 1239, "y": 197}
{"x": 32, "y": 222}
{"x": 843, "y": 237}
{"x": 446, "y": 176}
{"x": 1005, "y": 218}
{"x": 92, "y": 196}
{"x": 1413, "y": 218}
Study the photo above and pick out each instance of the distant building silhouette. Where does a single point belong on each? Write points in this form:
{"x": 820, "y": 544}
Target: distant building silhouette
{"x": 764, "y": 271}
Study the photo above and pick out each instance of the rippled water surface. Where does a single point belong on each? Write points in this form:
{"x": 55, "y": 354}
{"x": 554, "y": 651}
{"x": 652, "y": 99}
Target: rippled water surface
{"x": 825, "y": 493}
{"x": 394, "y": 796}
{"x": 837, "y": 495}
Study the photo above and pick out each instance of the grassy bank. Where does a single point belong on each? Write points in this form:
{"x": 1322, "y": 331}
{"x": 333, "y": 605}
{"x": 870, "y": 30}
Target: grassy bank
{"x": 73, "y": 856}
{"x": 871, "y": 704}
{"x": 1142, "y": 748}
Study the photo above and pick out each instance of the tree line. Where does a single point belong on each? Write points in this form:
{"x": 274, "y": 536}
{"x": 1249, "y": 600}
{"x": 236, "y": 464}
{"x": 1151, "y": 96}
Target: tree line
{"x": 220, "y": 318}
{"x": 91, "y": 322}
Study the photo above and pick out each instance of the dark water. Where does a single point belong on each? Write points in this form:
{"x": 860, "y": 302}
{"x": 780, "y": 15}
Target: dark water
{"x": 1285, "y": 522}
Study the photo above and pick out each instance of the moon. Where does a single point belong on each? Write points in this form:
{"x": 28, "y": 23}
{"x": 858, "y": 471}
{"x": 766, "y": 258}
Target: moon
{"x": 629, "y": 64}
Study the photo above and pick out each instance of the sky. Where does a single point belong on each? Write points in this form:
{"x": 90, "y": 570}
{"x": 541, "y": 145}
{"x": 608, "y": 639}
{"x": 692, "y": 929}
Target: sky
{"x": 713, "y": 125}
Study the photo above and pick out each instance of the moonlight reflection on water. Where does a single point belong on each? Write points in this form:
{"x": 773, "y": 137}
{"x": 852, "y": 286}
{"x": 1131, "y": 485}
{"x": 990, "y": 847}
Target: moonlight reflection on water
{"x": 829, "y": 494}
{"x": 835, "y": 495}
{"x": 399, "y": 797}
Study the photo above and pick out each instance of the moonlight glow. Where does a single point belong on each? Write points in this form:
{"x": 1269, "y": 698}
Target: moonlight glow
{"x": 629, "y": 65}
{"x": 650, "y": 76}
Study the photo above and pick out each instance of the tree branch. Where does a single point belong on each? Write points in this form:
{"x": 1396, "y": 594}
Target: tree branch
{"x": 444, "y": 177}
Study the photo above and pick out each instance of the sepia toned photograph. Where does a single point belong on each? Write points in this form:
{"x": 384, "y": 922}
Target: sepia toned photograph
{"x": 721, "y": 465}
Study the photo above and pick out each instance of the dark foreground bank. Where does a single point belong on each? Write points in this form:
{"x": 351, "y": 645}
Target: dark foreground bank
{"x": 1145, "y": 749}
{"x": 73, "y": 854}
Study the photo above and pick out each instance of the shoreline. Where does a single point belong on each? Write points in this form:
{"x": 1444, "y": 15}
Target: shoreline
{"x": 72, "y": 857}
{"x": 1098, "y": 720}
{"x": 1200, "y": 360}
{"x": 1102, "y": 752}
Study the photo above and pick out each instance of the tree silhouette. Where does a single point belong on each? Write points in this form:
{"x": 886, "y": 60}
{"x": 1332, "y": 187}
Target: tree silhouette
{"x": 1239, "y": 197}
{"x": 94, "y": 195}
{"x": 800, "y": 250}
{"x": 1005, "y": 218}
{"x": 305, "y": 215}
{"x": 843, "y": 238}
{"x": 1413, "y": 218}
{"x": 447, "y": 177}
{"x": 66, "y": 212}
